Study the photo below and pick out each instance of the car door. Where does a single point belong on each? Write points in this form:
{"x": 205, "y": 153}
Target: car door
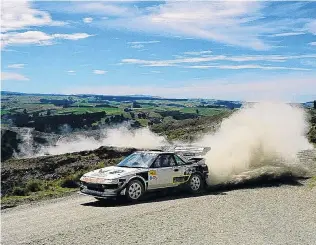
{"x": 162, "y": 172}
{"x": 180, "y": 176}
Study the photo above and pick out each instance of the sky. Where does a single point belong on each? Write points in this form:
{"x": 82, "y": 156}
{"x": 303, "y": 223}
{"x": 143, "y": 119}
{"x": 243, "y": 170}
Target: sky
{"x": 258, "y": 50}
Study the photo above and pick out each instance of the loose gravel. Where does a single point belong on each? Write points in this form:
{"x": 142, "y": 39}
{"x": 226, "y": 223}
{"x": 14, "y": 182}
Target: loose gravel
{"x": 273, "y": 215}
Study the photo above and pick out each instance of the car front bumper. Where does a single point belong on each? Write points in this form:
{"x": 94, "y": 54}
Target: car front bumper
{"x": 101, "y": 193}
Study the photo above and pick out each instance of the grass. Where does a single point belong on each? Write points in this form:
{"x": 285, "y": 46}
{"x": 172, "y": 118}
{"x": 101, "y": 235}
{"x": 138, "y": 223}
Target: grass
{"x": 312, "y": 182}
{"x": 12, "y": 201}
{"x": 202, "y": 111}
{"x": 4, "y": 111}
{"x": 36, "y": 189}
{"x": 78, "y": 110}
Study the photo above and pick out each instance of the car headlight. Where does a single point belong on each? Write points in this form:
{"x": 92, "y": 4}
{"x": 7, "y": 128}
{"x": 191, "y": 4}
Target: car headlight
{"x": 110, "y": 181}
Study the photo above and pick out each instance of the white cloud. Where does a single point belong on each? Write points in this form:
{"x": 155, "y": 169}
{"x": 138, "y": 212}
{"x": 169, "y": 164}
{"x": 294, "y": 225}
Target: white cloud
{"x": 312, "y": 43}
{"x": 16, "y": 66}
{"x": 227, "y": 22}
{"x": 73, "y": 36}
{"x": 287, "y": 34}
{"x": 101, "y": 8}
{"x": 140, "y": 44}
{"x": 36, "y": 37}
{"x": 99, "y": 72}
{"x": 13, "y": 76}
{"x": 311, "y": 27}
{"x": 87, "y": 20}
{"x": 143, "y": 42}
{"x": 236, "y": 23}
{"x": 207, "y": 58}
{"x": 249, "y": 66}
{"x": 282, "y": 87}
{"x": 71, "y": 72}
{"x": 137, "y": 46}
{"x": 309, "y": 62}
{"x": 18, "y": 15}
{"x": 22, "y": 38}
{"x": 204, "y": 52}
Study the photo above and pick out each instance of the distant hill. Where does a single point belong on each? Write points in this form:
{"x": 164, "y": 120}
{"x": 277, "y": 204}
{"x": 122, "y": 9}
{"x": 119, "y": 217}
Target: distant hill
{"x": 309, "y": 104}
{"x": 120, "y": 98}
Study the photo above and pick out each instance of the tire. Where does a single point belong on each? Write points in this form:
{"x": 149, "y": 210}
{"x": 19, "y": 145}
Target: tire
{"x": 195, "y": 183}
{"x": 134, "y": 190}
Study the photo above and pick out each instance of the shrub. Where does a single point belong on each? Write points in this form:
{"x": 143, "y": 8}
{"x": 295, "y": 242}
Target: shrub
{"x": 34, "y": 186}
{"x": 70, "y": 181}
{"x": 100, "y": 165}
{"x": 19, "y": 191}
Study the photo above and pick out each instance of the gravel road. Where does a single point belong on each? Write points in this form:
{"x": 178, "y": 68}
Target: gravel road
{"x": 272, "y": 215}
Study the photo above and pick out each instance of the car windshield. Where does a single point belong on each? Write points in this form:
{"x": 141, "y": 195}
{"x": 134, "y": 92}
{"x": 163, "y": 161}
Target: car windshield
{"x": 139, "y": 160}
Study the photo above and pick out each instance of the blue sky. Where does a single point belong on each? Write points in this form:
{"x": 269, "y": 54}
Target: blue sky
{"x": 223, "y": 50}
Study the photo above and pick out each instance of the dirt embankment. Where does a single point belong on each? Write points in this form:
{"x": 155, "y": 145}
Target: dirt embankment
{"x": 17, "y": 172}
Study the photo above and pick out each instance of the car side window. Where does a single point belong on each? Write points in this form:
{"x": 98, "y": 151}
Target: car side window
{"x": 164, "y": 161}
{"x": 159, "y": 161}
{"x": 179, "y": 160}
{"x": 172, "y": 162}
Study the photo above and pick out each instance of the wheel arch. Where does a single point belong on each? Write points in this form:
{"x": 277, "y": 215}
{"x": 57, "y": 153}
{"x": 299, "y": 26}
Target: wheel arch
{"x": 199, "y": 173}
{"x": 140, "y": 178}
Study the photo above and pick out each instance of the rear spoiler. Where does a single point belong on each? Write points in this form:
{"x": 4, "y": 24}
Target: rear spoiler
{"x": 191, "y": 151}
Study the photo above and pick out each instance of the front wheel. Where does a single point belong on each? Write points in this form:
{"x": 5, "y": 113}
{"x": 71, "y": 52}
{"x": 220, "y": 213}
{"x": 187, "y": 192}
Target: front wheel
{"x": 134, "y": 190}
{"x": 195, "y": 183}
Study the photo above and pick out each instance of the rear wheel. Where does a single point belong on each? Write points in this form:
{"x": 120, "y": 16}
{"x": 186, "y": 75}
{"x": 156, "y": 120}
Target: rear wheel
{"x": 195, "y": 183}
{"x": 134, "y": 190}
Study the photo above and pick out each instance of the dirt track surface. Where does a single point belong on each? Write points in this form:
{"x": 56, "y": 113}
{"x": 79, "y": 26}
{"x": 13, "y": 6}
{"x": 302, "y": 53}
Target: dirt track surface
{"x": 273, "y": 215}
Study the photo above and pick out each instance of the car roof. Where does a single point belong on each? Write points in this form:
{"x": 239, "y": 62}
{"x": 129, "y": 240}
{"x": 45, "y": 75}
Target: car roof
{"x": 157, "y": 152}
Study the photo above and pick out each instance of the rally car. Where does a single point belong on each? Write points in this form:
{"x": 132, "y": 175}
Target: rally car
{"x": 145, "y": 171}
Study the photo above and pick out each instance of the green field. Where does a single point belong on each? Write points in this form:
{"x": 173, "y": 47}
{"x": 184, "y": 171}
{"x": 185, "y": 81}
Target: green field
{"x": 79, "y": 110}
{"x": 202, "y": 111}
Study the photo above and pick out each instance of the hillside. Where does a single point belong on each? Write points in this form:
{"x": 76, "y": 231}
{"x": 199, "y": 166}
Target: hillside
{"x": 34, "y": 121}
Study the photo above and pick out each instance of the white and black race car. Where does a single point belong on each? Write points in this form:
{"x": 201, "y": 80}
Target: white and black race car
{"x": 145, "y": 171}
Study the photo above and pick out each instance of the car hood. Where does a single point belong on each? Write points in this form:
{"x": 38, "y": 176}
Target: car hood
{"x": 113, "y": 172}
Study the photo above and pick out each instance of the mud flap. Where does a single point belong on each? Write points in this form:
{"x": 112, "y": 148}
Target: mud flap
{"x": 122, "y": 193}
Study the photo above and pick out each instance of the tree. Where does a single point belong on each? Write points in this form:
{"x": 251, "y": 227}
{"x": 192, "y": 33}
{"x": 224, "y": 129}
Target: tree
{"x": 197, "y": 111}
{"x": 35, "y": 114}
{"x": 314, "y": 104}
{"x": 136, "y": 105}
{"x": 24, "y": 111}
{"x": 48, "y": 113}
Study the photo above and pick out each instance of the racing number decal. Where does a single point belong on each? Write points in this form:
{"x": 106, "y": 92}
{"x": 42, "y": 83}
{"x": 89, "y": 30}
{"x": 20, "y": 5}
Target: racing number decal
{"x": 152, "y": 172}
{"x": 152, "y": 175}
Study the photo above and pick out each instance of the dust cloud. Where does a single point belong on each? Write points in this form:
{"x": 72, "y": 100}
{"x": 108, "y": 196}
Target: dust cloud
{"x": 258, "y": 135}
{"x": 121, "y": 136}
